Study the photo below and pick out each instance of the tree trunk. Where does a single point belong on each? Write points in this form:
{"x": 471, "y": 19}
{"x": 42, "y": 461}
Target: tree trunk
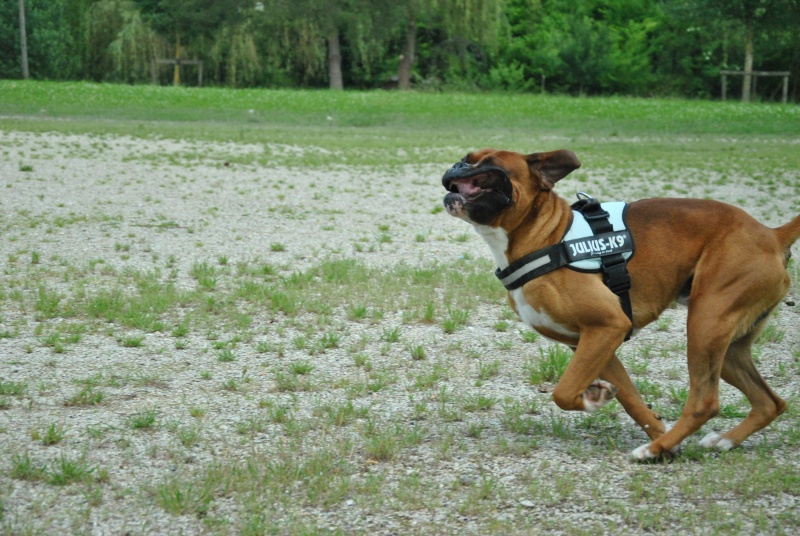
{"x": 747, "y": 82}
{"x": 176, "y": 73}
{"x": 335, "y": 60}
{"x": 407, "y": 58}
{"x": 23, "y": 40}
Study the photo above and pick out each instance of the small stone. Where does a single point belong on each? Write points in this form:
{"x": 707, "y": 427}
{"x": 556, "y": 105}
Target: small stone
{"x": 526, "y": 503}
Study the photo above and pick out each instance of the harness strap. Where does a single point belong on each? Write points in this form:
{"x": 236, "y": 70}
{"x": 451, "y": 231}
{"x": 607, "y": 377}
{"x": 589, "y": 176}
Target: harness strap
{"x": 532, "y": 266}
{"x": 615, "y": 272}
{"x": 612, "y": 262}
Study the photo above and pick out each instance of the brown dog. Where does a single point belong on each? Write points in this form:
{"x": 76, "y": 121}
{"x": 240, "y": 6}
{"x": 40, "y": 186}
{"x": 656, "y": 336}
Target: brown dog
{"x": 731, "y": 269}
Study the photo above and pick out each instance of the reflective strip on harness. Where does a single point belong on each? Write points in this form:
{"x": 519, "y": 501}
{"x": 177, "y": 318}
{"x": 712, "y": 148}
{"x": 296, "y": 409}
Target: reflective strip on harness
{"x": 510, "y": 281}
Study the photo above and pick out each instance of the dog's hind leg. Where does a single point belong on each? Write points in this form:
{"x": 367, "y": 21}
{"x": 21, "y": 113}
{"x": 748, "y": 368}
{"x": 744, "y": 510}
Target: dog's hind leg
{"x": 739, "y": 370}
{"x": 730, "y": 296}
{"x": 705, "y": 356}
{"x": 713, "y": 321}
{"x": 631, "y": 400}
{"x": 717, "y": 349}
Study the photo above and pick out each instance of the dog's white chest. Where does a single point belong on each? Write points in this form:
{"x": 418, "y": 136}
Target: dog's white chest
{"x": 497, "y": 239}
{"x": 535, "y": 319}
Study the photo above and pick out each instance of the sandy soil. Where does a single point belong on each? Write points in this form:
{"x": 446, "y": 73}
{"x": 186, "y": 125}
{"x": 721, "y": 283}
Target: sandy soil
{"x": 165, "y": 205}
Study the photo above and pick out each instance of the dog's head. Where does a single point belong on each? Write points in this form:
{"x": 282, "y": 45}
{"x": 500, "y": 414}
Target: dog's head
{"x": 488, "y": 184}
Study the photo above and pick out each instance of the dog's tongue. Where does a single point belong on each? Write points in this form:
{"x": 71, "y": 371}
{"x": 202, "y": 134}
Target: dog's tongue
{"x": 466, "y": 188}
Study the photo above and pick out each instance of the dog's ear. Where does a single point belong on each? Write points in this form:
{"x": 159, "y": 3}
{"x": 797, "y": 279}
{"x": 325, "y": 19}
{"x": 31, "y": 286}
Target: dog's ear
{"x": 553, "y": 166}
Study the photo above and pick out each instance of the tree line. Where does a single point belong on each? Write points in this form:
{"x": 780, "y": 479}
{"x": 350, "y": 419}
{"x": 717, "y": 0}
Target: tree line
{"x": 630, "y": 47}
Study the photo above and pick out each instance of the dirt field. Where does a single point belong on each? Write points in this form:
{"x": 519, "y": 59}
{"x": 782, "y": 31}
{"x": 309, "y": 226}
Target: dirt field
{"x": 392, "y": 397}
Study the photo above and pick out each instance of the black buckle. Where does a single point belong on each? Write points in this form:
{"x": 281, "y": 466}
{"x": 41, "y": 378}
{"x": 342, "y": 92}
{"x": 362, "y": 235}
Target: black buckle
{"x": 595, "y": 214}
{"x": 590, "y": 208}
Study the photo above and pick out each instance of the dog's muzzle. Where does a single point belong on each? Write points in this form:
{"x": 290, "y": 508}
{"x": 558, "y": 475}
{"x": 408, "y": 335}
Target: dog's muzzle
{"x": 476, "y": 194}
{"x": 462, "y": 170}
{"x": 468, "y": 183}
{"x": 459, "y": 170}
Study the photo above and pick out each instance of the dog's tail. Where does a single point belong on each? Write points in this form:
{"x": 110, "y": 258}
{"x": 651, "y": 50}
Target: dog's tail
{"x": 788, "y": 235}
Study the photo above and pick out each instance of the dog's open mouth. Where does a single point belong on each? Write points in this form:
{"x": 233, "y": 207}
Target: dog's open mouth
{"x": 471, "y": 187}
{"x": 472, "y": 182}
{"x": 476, "y": 194}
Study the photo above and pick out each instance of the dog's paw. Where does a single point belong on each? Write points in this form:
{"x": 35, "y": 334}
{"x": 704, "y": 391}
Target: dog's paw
{"x": 598, "y": 395}
{"x": 644, "y": 454}
{"x": 716, "y": 441}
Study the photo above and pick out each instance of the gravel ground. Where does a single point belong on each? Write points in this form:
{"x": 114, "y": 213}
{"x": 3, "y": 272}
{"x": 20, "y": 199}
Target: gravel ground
{"x": 123, "y": 205}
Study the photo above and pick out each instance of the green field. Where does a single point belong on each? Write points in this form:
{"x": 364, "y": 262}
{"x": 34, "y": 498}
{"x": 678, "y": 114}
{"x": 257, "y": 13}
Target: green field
{"x": 245, "y": 312}
{"x": 371, "y": 127}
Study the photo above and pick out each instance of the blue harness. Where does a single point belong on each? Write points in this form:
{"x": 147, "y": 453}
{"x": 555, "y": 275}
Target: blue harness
{"x": 597, "y": 240}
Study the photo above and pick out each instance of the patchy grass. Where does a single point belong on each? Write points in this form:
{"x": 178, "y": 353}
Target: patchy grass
{"x": 380, "y": 128}
{"x": 315, "y": 348}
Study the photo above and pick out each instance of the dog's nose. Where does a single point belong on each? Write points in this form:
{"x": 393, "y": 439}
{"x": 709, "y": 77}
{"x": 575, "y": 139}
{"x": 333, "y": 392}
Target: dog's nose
{"x": 454, "y": 172}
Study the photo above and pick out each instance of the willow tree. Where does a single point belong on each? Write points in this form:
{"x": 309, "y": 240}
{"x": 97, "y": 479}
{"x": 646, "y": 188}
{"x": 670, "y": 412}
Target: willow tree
{"x": 119, "y": 43}
{"x": 410, "y": 12}
{"x": 463, "y": 22}
{"x": 234, "y": 53}
{"x": 351, "y": 17}
{"x": 188, "y": 23}
{"x": 358, "y": 25}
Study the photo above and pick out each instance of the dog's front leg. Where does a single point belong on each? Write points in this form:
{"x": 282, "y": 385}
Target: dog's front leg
{"x": 631, "y": 400}
{"x": 579, "y": 389}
